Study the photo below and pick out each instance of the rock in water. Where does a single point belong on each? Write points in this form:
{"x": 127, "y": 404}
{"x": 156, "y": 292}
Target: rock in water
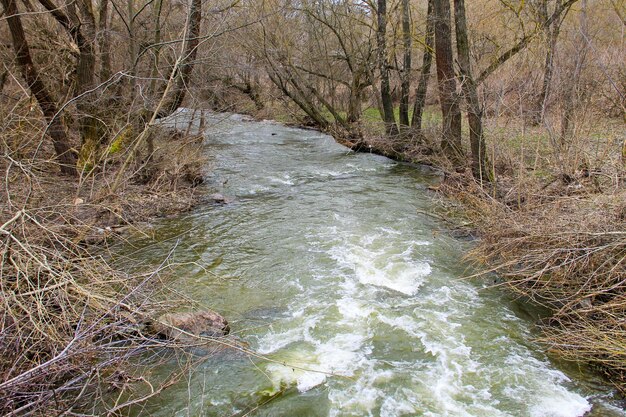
{"x": 205, "y": 323}
{"x": 219, "y": 198}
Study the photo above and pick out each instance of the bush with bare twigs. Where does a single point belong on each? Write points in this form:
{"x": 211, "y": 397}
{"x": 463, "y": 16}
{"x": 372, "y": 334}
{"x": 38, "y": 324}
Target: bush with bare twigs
{"x": 70, "y": 323}
{"x": 566, "y": 252}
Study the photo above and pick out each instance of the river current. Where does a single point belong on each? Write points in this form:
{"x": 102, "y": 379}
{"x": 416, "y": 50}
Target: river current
{"x": 325, "y": 263}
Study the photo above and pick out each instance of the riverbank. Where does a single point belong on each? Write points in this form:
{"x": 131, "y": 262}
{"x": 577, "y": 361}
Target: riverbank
{"x": 71, "y": 322}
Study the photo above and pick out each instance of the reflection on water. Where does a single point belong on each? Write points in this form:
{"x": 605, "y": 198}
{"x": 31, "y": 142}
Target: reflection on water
{"x": 327, "y": 266}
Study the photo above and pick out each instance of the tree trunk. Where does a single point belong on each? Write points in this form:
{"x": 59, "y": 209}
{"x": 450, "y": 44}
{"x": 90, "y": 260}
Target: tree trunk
{"x": 422, "y": 86}
{"x": 552, "y": 34}
{"x": 82, "y": 31}
{"x": 354, "y": 102}
{"x": 132, "y": 46}
{"x": 85, "y": 75}
{"x": 56, "y": 130}
{"x": 104, "y": 41}
{"x": 297, "y": 98}
{"x": 3, "y": 80}
{"x": 406, "y": 68}
{"x": 183, "y": 71}
{"x": 383, "y": 66}
{"x": 157, "y": 47}
{"x": 451, "y": 124}
{"x": 480, "y": 165}
{"x": 570, "y": 99}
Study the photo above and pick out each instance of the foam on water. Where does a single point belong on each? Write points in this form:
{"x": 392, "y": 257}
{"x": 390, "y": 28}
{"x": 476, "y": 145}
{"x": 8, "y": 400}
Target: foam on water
{"x": 450, "y": 380}
{"x": 285, "y": 180}
{"x": 308, "y": 368}
{"x": 383, "y": 266}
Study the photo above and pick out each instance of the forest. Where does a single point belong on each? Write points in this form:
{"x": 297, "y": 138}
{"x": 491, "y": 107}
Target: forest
{"x": 520, "y": 104}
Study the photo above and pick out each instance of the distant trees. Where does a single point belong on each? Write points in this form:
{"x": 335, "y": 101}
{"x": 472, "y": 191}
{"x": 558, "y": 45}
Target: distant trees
{"x": 323, "y": 59}
{"x": 326, "y": 61}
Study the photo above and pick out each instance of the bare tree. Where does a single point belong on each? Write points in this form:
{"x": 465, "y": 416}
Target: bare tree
{"x": 422, "y": 86}
{"x": 406, "y": 67}
{"x": 383, "y": 67}
{"x": 49, "y": 108}
{"x": 523, "y": 42}
{"x": 551, "y": 32}
{"x": 182, "y": 72}
{"x": 480, "y": 166}
{"x": 448, "y": 97}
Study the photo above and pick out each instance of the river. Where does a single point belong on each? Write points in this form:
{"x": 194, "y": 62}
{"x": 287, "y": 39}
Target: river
{"x": 325, "y": 263}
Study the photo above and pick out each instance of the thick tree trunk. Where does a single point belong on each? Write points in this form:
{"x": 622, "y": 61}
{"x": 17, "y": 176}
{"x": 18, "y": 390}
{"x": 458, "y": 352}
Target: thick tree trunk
{"x": 449, "y": 100}
{"x": 354, "y": 102}
{"x": 406, "y": 68}
{"x": 480, "y": 165}
{"x": 82, "y": 31}
{"x": 422, "y": 86}
{"x": 183, "y": 71}
{"x": 56, "y": 130}
{"x": 383, "y": 66}
{"x": 85, "y": 74}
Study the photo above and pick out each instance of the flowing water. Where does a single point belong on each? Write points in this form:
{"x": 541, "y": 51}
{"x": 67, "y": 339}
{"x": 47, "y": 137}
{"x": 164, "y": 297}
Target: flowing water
{"x": 325, "y": 263}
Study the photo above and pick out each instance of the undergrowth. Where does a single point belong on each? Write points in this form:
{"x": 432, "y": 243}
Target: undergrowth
{"x": 70, "y": 323}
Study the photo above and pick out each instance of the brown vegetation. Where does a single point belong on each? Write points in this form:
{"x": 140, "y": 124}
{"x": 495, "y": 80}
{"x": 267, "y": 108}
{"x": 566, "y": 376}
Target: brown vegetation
{"x": 84, "y": 85}
{"x": 71, "y": 323}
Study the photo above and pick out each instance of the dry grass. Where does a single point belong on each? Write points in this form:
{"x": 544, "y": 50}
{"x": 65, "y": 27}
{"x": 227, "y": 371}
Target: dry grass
{"x": 70, "y": 323}
{"x": 65, "y": 314}
{"x": 569, "y": 255}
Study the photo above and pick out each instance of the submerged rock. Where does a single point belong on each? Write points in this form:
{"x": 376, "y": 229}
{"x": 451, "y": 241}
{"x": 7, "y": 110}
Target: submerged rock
{"x": 181, "y": 327}
{"x": 219, "y": 198}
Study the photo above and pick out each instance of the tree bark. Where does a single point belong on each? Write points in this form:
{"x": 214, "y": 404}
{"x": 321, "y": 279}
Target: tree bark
{"x": 383, "y": 66}
{"x": 480, "y": 164}
{"x": 104, "y": 41}
{"x": 85, "y": 73}
{"x": 406, "y": 68}
{"x": 56, "y": 130}
{"x": 449, "y": 100}
{"x": 552, "y": 34}
{"x": 158, "y": 8}
{"x": 354, "y": 101}
{"x": 82, "y": 31}
{"x": 422, "y": 86}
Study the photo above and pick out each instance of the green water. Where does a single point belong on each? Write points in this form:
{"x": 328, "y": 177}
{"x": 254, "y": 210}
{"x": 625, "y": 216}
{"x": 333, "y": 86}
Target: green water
{"x": 324, "y": 262}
